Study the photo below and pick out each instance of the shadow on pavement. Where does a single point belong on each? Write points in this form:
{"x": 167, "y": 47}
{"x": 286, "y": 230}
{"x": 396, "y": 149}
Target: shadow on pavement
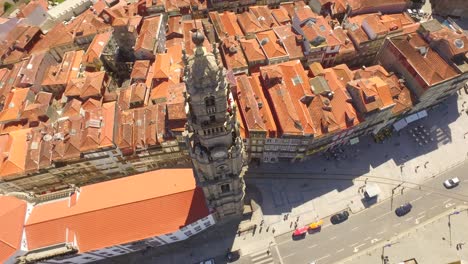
{"x": 281, "y": 187}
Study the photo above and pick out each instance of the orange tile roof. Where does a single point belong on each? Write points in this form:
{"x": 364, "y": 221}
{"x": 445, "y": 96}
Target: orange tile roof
{"x": 162, "y": 66}
{"x": 146, "y": 202}
{"x": 304, "y": 13}
{"x": 66, "y": 70}
{"x": 15, "y": 104}
{"x": 249, "y": 23}
{"x": 263, "y": 15}
{"x": 270, "y": 45}
{"x": 361, "y": 6}
{"x": 233, "y": 55}
{"x": 288, "y": 89}
{"x": 91, "y": 104}
{"x": 148, "y": 36}
{"x": 140, "y": 69}
{"x": 445, "y": 39}
{"x": 225, "y": 24}
{"x": 72, "y": 108}
{"x": 107, "y": 129}
{"x": 252, "y": 50}
{"x": 291, "y": 7}
{"x": 253, "y": 106}
{"x": 12, "y": 218}
{"x": 281, "y": 15}
{"x": 431, "y": 67}
{"x": 374, "y": 93}
{"x": 97, "y": 46}
{"x": 69, "y": 148}
{"x": 15, "y": 159}
{"x": 290, "y": 41}
{"x": 87, "y": 24}
{"x": 341, "y": 103}
{"x": 174, "y": 27}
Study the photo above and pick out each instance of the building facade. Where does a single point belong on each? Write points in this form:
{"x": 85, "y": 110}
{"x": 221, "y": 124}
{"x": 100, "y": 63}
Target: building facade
{"x": 212, "y": 132}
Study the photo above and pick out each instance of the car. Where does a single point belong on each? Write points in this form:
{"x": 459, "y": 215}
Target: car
{"x": 451, "y": 183}
{"x": 339, "y": 218}
{"x": 232, "y": 256}
{"x": 316, "y": 225}
{"x": 300, "y": 232}
{"x": 403, "y": 209}
{"x": 208, "y": 261}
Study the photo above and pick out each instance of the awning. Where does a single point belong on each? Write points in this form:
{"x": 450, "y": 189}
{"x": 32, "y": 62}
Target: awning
{"x": 372, "y": 190}
{"x": 400, "y": 124}
{"x": 422, "y": 114}
{"x": 412, "y": 118}
{"x": 354, "y": 141}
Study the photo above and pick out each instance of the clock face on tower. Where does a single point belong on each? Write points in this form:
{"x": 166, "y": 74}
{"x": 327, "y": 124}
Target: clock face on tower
{"x": 218, "y": 153}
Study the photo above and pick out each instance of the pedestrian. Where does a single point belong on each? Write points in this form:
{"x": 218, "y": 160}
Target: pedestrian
{"x": 268, "y": 252}
{"x": 273, "y": 231}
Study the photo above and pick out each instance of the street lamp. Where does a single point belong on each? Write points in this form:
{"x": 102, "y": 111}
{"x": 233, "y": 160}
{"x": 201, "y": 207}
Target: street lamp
{"x": 383, "y": 257}
{"x": 393, "y": 192}
{"x": 450, "y": 226}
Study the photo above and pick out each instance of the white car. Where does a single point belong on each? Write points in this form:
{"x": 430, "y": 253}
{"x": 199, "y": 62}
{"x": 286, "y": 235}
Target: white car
{"x": 451, "y": 183}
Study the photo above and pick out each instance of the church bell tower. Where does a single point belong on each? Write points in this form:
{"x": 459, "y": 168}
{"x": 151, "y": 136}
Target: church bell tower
{"x": 212, "y": 132}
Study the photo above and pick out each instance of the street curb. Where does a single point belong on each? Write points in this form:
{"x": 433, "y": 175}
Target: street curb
{"x": 399, "y": 236}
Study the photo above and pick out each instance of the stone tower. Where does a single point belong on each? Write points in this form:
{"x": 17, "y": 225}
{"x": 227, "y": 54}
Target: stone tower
{"x": 212, "y": 132}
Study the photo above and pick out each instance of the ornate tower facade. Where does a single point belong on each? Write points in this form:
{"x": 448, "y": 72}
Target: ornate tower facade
{"x": 212, "y": 132}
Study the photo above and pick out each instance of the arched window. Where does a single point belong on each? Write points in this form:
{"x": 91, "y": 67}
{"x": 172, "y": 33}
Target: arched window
{"x": 210, "y": 101}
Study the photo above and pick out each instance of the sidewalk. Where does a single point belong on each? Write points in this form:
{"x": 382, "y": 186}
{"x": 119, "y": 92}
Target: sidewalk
{"x": 317, "y": 188}
{"x": 432, "y": 235}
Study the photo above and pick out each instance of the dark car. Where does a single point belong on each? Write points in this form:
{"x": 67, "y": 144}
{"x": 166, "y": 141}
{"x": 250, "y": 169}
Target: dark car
{"x": 339, "y": 218}
{"x": 403, "y": 209}
{"x": 232, "y": 256}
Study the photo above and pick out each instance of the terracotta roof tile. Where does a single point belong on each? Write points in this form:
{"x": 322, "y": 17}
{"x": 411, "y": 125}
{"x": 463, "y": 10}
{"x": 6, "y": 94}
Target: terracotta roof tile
{"x": 12, "y": 218}
{"x": 252, "y": 50}
{"x": 15, "y": 104}
{"x": 72, "y": 108}
{"x": 263, "y": 15}
{"x": 432, "y": 68}
{"x": 233, "y": 55}
{"x": 140, "y": 70}
{"x": 225, "y": 24}
{"x": 290, "y": 41}
{"x": 288, "y": 89}
{"x": 271, "y": 45}
{"x": 249, "y": 23}
{"x": 91, "y": 104}
{"x": 174, "y": 27}
{"x": 253, "y": 106}
{"x": 281, "y": 15}
{"x": 148, "y": 36}
{"x": 98, "y": 223}
{"x": 66, "y": 70}
{"x": 15, "y": 160}
{"x": 97, "y": 46}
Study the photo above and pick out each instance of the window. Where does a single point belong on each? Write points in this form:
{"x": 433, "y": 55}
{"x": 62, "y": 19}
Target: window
{"x": 212, "y": 118}
{"x": 198, "y": 229}
{"x": 225, "y": 188}
{"x": 188, "y": 233}
{"x": 207, "y": 224}
{"x": 210, "y": 101}
{"x": 174, "y": 238}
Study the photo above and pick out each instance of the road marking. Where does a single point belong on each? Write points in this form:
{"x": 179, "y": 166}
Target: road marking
{"x": 327, "y": 225}
{"x": 409, "y": 219}
{"x": 333, "y": 238}
{"x": 417, "y": 199}
{"x": 339, "y": 250}
{"x": 354, "y": 228}
{"x": 429, "y": 193}
{"x": 312, "y": 246}
{"x": 381, "y": 216}
{"x": 433, "y": 207}
{"x": 374, "y": 240}
{"x": 379, "y": 233}
{"x": 417, "y": 219}
{"x": 448, "y": 200}
{"x": 289, "y": 255}
{"x": 397, "y": 224}
{"x": 448, "y": 205}
{"x": 367, "y": 238}
{"x": 322, "y": 257}
{"x": 352, "y": 245}
{"x": 356, "y": 249}
{"x": 421, "y": 213}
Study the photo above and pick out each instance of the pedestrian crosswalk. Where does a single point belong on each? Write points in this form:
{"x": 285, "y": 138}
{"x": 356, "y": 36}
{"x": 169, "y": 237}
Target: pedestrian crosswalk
{"x": 262, "y": 257}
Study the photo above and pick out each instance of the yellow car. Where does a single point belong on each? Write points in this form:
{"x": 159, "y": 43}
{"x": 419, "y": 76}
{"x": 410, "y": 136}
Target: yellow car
{"x": 316, "y": 225}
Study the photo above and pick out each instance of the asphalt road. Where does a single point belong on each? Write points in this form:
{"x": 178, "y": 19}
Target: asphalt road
{"x": 336, "y": 242}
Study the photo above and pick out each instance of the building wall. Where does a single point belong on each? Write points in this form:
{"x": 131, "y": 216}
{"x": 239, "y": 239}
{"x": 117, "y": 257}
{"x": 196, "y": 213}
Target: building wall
{"x": 135, "y": 246}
